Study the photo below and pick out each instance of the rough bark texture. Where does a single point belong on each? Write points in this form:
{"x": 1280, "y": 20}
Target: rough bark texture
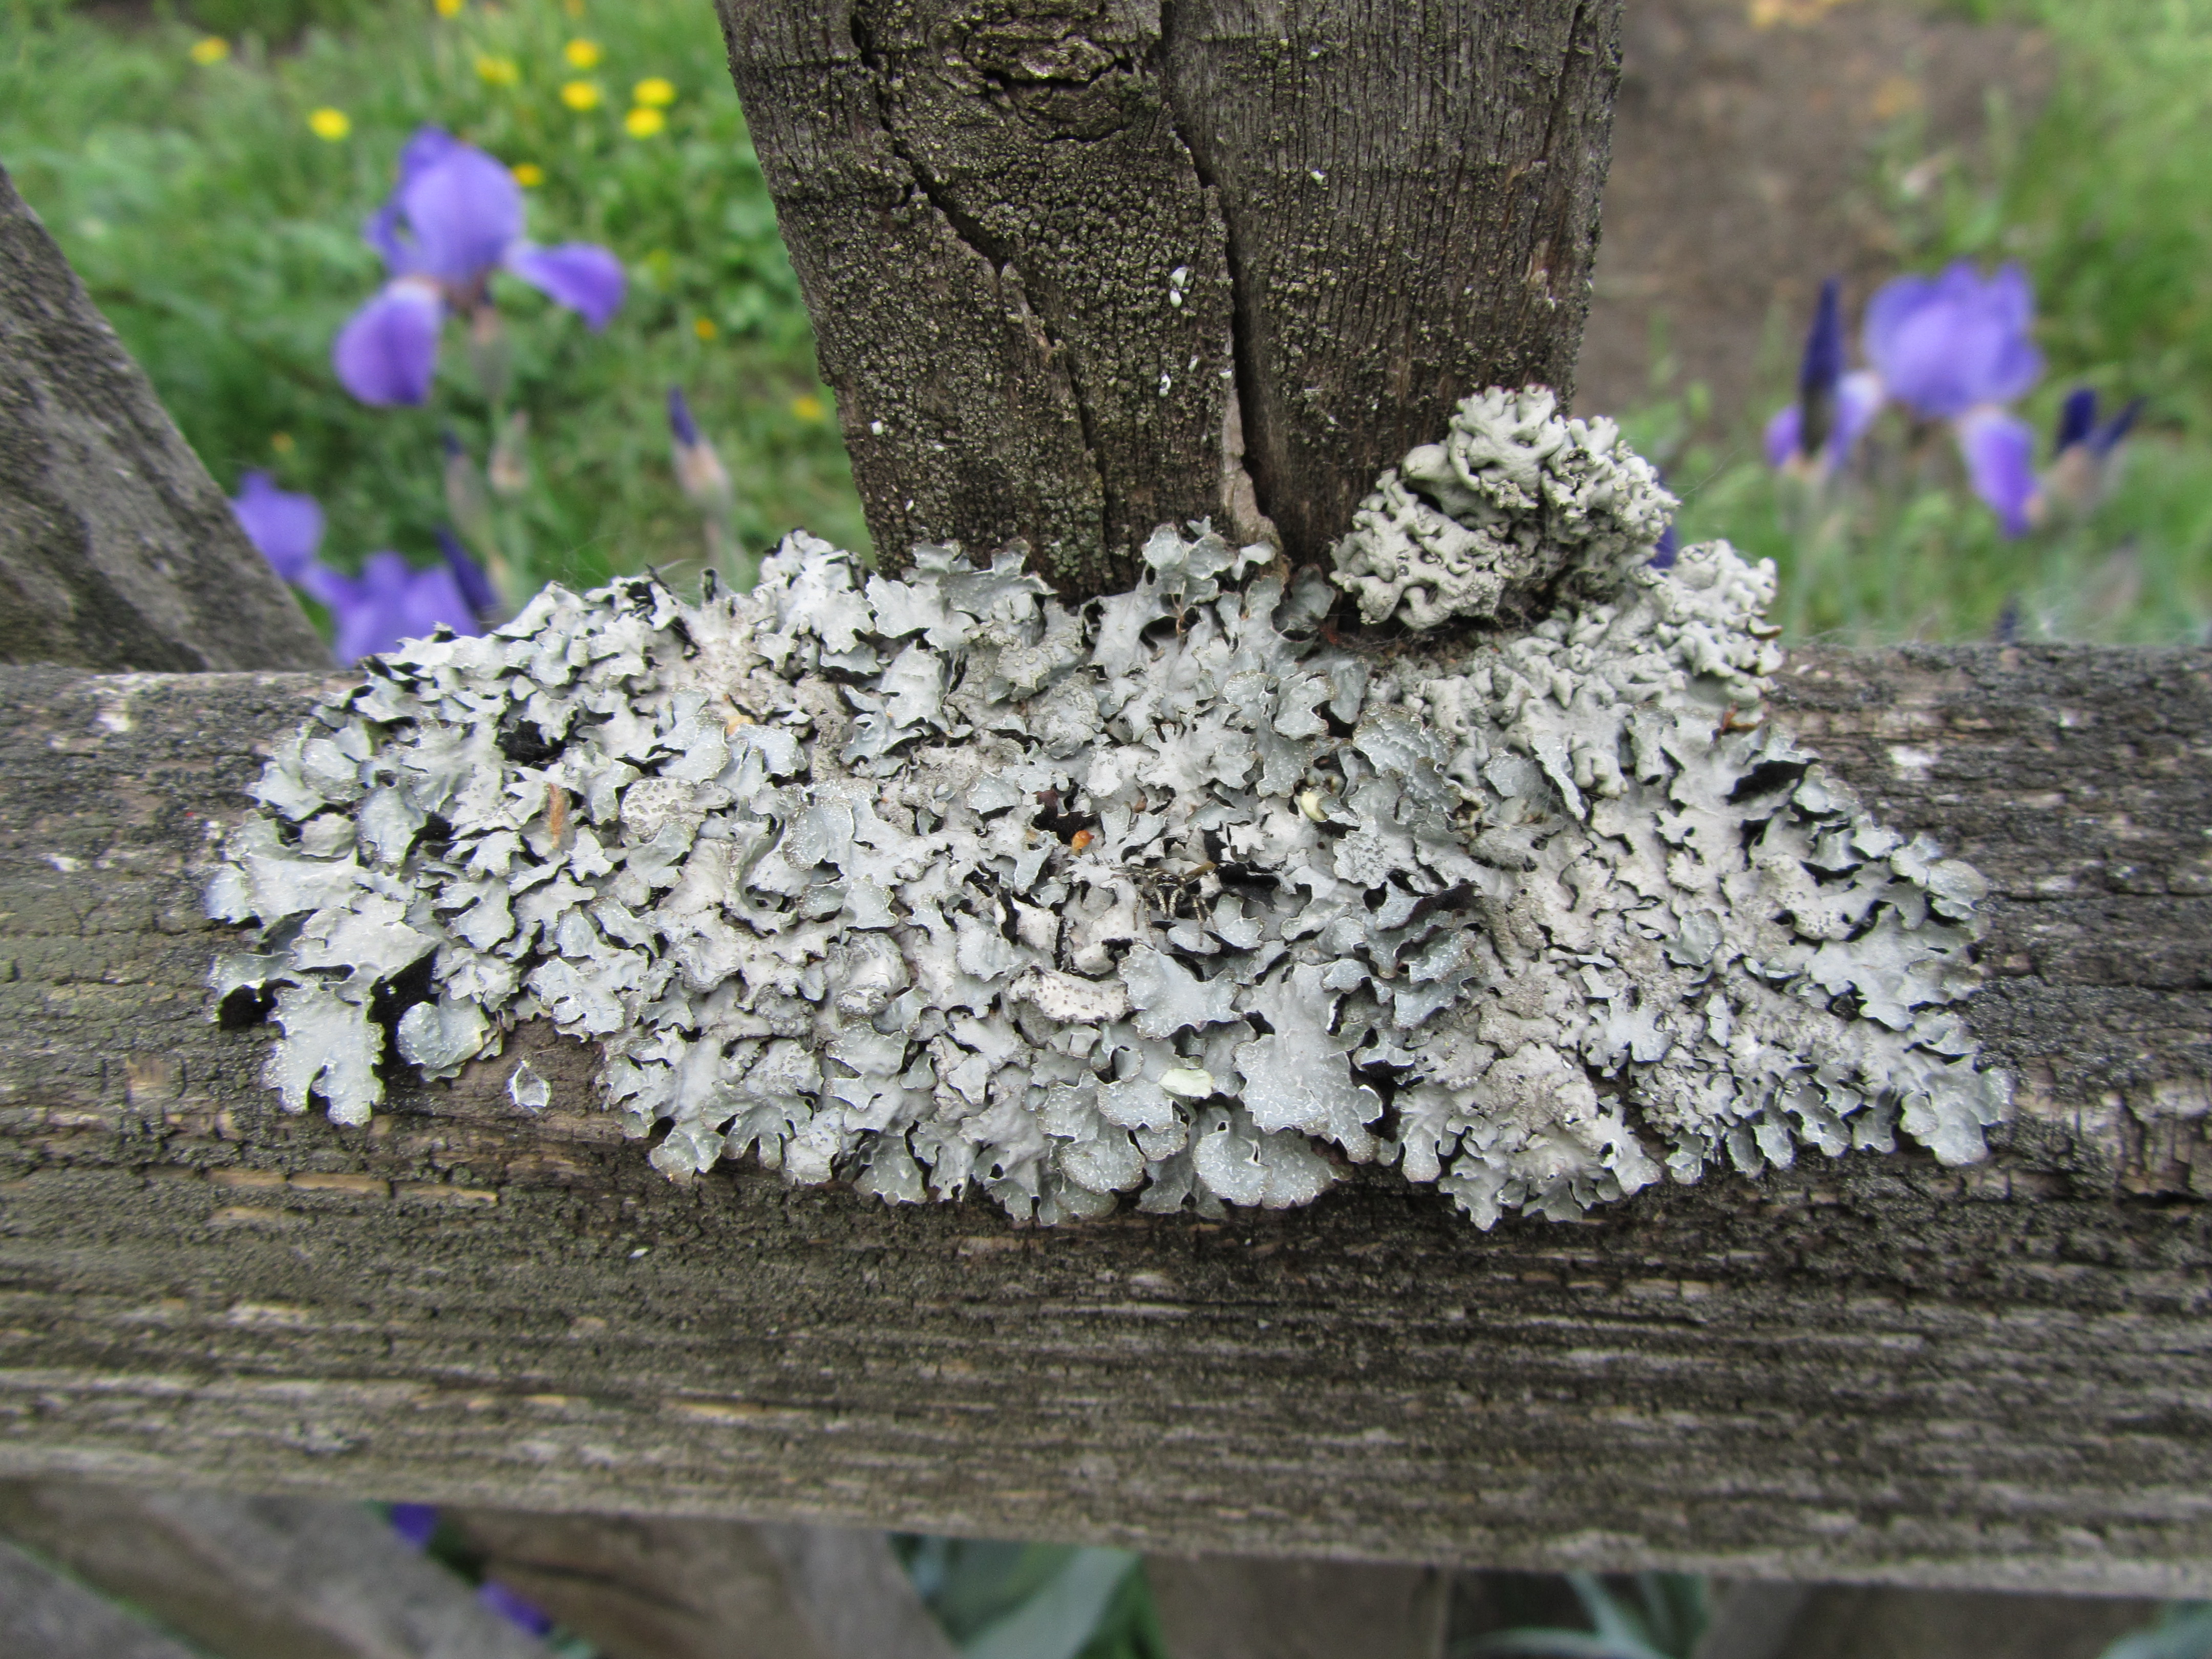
{"x": 45, "y": 1615}
{"x": 116, "y": 551}
{"x": 638, "y": 1587}
{"x": 1870, "y": 1368}
{"x": 1846, "y": 1622}
{"x": 260, "y": 1577}
{"x": 1052, "y": 250}
{"x": 1753, "y": 1620}
{"x": 1215, "y": 1609}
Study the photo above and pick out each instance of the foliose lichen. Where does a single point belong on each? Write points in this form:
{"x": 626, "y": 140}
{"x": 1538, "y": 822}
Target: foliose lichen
{"x": 1514, "y": 514}
{"x": 932, "y": 882}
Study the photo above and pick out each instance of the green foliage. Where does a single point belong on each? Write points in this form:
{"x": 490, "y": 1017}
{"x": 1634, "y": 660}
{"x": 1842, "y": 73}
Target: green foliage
{"x": 1899, "y": 549}
{"x": 1001, "y": 1600}
{"x": 1664, "y": 1621}
{"x": 222, "y": 236}
{"x": 2101, "y": 197}
{"x": 275, "y": 20}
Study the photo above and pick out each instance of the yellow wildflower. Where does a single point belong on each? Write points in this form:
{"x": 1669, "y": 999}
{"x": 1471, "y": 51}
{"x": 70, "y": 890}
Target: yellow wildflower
{"x": 582, "y": 54}
{"x": 642, "y": 123}
{"x": 704, "y": 327}
{"x": 528, "y": 175}
{"x": 807, "y": 407}
{"x": 581, "y": 95}
{"x": 654, "y": 92}
{"x": 495, "y": 72}
{"x": 211, "y": 48}
{"x": 448, "y": 8}
{"x": 328, "y": 124}
{"x": 281, "y": 442}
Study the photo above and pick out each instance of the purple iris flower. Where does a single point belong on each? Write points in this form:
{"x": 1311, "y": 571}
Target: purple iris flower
{"x": 454, "y": 219}
{"x": 1952, "y": 347}
{"x": 469, "y": 576}
{"x": 1955, "y": 347}
{"x": 2081, "y": 454}
{"x": 525, "y": 1615}
{"x": 415, "y": 1522}
{"x": 391, "y": 601}
{"x": 686, "y": 429}
{"x": 1999, "y": 450}
{"x": 388, "y": 602}
{"x": 287, "y": 527}
{"x": 699, "y": 471}
{"x": 1946, "y": 344}
{"x": 1833, "y": 408}
{"x": 2078, "y": 426}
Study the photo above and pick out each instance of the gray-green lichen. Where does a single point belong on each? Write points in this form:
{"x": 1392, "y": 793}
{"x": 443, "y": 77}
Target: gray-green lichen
{"x": 1515, "y": 512}
{"x": 932, "y": 882}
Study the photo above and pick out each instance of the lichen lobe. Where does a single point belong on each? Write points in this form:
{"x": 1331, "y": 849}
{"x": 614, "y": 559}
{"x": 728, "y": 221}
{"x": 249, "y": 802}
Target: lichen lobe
{"x": 933, "y": 883}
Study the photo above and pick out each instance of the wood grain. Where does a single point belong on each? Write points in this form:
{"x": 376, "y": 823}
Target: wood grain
{"x": 116, "y": 551}
{"x": 1069, "y": 263}
{"x": 1871, "y": 1368}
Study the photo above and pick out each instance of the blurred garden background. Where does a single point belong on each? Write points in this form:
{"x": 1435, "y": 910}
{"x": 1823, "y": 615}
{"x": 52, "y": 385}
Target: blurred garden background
{"x": 207, "y": 165}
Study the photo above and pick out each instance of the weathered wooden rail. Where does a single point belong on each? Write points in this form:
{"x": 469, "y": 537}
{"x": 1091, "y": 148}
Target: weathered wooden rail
{"x": 1871, "y": 1368}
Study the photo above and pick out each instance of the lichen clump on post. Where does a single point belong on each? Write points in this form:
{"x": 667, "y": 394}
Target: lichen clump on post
{"x": 932, "y": 882}
{"x": 1515, "y": 512}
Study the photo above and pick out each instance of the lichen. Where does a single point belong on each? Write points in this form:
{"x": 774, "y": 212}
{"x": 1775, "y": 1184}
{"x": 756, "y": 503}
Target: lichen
{"x": 931, "y": 882}
{"x": 1515, "y": 511}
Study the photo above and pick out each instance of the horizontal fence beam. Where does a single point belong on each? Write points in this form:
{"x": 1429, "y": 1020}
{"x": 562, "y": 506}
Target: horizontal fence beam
{"x": 1867, "y": 1368}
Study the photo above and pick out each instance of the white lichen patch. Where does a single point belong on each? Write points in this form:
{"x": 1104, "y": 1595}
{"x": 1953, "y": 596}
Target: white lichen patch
{"x": 1515, "y": 509}
{"x": 928, "y": 882}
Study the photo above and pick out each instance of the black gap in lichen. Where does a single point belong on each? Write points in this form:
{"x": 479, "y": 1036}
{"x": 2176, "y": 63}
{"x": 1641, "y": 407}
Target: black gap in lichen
{"x": 245, "y": 1007}
{"x": 393, "y": 997}
{"x": 1765, "y": 778}
{"x": 524, "y": 742}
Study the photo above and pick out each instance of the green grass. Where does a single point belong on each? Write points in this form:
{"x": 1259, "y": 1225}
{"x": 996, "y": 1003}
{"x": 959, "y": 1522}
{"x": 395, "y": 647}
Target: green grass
{"x": 222, "y": 238}
{"x": 2104, "y": 198}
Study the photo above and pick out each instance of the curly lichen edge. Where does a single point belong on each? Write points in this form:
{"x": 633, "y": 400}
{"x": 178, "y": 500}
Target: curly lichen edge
{"x": 933, "y": 882}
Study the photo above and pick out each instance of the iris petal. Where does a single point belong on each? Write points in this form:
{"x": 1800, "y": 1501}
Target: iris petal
{"x": 415, "y": 1522}
{"x": 475, "y": 588}
{"x": 2000, "y": 455}
{"x": 2077, "y": 418}
{"x": 1858, "y": 400}
{"x": 391, "y": 601}
{"x": 523, "y": 1614}
{"x": 464, "y": 212}
{"x": 285, "y": 526}
{"x": 430, "y": 146}
{"x": 433, "y": 597}
{"x": 388, "y": 351}
{"x": 1946, "y": 343}
{"x": 1823, "y": 364}
{"x": 1782, "y": 434}
{"x": 585, "y": 278}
